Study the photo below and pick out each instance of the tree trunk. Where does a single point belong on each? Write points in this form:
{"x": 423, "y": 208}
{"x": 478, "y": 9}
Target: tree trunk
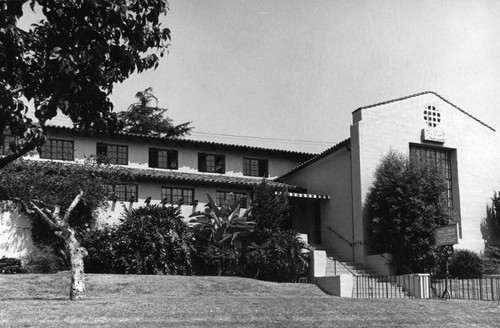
{"x": 77, "y": 253}
{"x": 77, "y": 291}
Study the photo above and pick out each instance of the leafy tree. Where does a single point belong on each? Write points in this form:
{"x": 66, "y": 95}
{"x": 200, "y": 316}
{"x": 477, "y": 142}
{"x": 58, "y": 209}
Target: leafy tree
{"x": 271, "y": 207}
{"x": 221, "y": 234}
{"x": 62, "y": 196}
{"x": 404, "y": 206}
{"x": 490, "y": 227}
{"x": 69, "y": 62}
{"x": 145, "y": 117}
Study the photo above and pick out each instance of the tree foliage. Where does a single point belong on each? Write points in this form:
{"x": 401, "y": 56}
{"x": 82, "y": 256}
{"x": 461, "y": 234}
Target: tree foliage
{"x": 149, "y": 240}
{"x": 145, "y": 117}
{"x": 256, "y": 244}
{"x": 69, "y": 62}
{"x": 404, "y": 206}
{"x": 490, "y": 227}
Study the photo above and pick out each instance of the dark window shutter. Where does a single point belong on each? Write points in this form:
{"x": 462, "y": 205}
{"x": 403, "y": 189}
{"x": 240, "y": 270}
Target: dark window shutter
{"x": 173, "y": 159}
{"x": 263, "y": 168}
{"x": 101, "y": 152}
{"x": 220, "y": 164}
{"x": 153, "y": 157}
{"x": 202, "y": 162}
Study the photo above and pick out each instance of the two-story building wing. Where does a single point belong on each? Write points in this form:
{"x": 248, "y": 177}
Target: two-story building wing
{"x": 329, "y": 189}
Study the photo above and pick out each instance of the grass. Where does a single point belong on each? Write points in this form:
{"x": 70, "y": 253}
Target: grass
{"x": 36, "y": 300}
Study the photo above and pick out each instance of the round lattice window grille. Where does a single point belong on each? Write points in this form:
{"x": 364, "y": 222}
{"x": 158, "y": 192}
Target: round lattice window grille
{"x": 432, "y": 116}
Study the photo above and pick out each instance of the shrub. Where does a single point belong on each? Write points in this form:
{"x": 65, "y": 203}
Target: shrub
{"x": 491, "y": 260}
{"x": 279, "y": 258}
{"x": 10, "y": 265}
{"x": 465, "y": 264}
{"x": 149, "y": 240}
{"x": 218, "y": 261}
{"x": 46, "y": 259}
{"x": 99, "y": 243}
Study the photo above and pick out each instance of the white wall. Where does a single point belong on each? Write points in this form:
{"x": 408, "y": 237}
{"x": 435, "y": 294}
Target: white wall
{"x": 331, "y": 176}
{"x": 279, "y": 163}
{"x": 395, "y": 125}
{"x": 15, "y": 234}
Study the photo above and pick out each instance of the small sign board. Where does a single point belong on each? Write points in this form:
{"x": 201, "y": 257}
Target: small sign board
{"x": 433, "y": 135}
{"x": 446, "y": 235}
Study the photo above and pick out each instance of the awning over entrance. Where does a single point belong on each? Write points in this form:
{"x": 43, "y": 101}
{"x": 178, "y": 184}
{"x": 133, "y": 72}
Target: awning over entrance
{"x": 308, "y": 196}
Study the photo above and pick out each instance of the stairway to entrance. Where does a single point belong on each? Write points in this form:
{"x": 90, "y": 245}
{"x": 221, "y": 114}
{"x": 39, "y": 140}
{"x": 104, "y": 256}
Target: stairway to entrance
{"x": 366, "y": 283}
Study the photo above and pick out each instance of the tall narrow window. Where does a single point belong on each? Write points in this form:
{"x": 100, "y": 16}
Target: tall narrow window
{"x": 442, "y": 158}
{"x": 163, "y": 158}
{"x": 112, "y": 154}
{"x": 174, "y": 195}
{"x": 211, "y": 163}
{"x": 255, "y": 167}
{"x": 58, "y": 149}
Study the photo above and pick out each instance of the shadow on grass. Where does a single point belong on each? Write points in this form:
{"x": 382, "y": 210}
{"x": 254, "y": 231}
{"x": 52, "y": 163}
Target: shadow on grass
{"x": 3, "y": 299}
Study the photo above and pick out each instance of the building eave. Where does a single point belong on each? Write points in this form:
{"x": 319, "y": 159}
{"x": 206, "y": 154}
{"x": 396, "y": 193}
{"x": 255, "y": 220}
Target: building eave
{"x": 196, "y": 143}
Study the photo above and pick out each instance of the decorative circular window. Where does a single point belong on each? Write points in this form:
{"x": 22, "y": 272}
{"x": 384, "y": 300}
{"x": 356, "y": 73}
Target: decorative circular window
{"x": 432, "y": 116}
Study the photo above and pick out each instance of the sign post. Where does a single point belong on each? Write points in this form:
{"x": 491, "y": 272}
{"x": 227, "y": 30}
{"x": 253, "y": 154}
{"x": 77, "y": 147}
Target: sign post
{"x": 445, "y": 237}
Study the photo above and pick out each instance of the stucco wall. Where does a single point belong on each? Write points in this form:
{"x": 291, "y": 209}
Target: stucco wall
{"x": 15, "y": 234}
{"x": 331, "y": 176}
{"x": 395, "y": 125}
{"x": 188, "y": 155}
{"x": 113, "y": 212}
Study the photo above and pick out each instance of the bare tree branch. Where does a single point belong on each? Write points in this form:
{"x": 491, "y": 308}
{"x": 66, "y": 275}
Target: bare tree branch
{"x": 72, "y": 206}
{"x": 44, "y": 216}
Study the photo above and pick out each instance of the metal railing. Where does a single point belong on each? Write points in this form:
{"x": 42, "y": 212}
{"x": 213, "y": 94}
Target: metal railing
{"x": 340, "y": 236}
{"x": 378, "y": 286}
{"x": 486, "y": 288}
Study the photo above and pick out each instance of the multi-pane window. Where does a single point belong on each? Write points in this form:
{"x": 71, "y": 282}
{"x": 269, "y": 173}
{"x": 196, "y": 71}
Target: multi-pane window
{"x": 174, "y": 195}
{"x": 5, "y": 147}
{"x": 163, "y": 158}
{"x": 255, "y": 167}
{"x": 58, "y": 149}
{"x": 112, "y": 154}
{"x": 442, "y": 159}
{"x": 126, "y": 192}
{"x": 240, "y": 197}
{"x": 211, "y": 163}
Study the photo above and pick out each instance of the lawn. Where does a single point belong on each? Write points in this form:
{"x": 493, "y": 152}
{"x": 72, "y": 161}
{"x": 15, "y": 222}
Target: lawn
{"x": 34, "y": 300}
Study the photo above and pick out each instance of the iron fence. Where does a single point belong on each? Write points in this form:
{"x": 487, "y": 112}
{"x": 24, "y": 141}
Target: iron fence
{"x": 382, "y": 286}
{"x": 486, "y": 288}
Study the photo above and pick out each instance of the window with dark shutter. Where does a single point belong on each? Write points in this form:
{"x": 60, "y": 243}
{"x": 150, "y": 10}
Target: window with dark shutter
{"x": 112, "y": 154}
{"x": 202, "y": 162}
{"x": 211, "y": 163}
{"x": 153, "y": 157}
{"x": 163, "y": 158}
{"x": 255, "y": 167}
{"x": 172, "y": 159}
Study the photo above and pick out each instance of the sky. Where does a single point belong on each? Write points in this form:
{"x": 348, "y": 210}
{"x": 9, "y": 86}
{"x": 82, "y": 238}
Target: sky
{"x": 283, "y": 73}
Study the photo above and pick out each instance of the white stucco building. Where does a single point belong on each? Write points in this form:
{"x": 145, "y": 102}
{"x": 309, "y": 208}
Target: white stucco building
{"x": 337, "y": 180}
{"x": 423, "y": 124}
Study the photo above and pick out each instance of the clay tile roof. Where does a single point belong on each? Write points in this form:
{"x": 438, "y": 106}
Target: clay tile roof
{"x": 182, "y": 142}
{"x": 218, "y": 179}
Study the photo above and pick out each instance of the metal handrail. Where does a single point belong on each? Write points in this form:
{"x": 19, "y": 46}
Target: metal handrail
{"x": 342, "y": 264}
{"x": 390, "y": 261}
{"x": 335, "y": 232}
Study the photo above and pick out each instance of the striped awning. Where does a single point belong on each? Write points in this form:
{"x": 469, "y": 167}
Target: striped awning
{"x": 304, "y": 195}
